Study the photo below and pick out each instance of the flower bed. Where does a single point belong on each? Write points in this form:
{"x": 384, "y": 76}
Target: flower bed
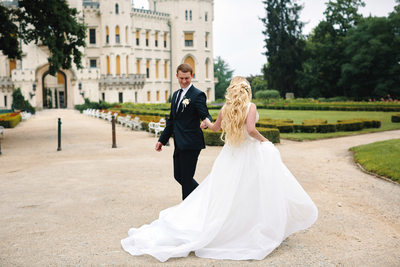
{"x": 10, "y": 120}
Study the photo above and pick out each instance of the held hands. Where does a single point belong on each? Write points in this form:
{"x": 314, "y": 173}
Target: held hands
{"x": 205, "y": 123}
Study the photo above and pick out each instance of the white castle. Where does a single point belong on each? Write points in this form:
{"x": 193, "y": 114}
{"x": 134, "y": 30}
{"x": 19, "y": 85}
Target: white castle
{"x": 131, "y": 55}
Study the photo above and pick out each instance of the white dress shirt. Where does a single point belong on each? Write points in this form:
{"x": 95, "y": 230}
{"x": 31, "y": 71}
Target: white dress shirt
{"x": 183, "y": 94}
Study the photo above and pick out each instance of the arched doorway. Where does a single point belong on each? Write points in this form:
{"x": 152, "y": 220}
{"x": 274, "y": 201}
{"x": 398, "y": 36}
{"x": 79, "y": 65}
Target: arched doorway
{"x": 54, "y": 90}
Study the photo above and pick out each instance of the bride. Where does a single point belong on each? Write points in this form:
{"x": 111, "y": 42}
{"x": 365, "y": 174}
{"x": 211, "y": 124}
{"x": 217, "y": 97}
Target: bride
{"x": 248, "y": 204}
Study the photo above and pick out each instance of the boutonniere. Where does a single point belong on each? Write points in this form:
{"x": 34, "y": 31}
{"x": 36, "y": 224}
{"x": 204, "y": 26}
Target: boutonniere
{"x": 185, "y": 102}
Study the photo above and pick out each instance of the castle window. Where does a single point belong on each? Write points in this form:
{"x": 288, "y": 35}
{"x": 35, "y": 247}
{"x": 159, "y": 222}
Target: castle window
{"x": 117, "y": 34}
{"x": 206, "y": 16}
{"x": 156, "y": 39}
{"x": 108, "y": 65}
{"x": 138, "y": 66}
{"x": 147, "y": 38}
{"x": 186, "y": 15}
{"x": 93, "y": 63}
{"x": 116, "y": 9}
{"x": 121, "y": 97}
{"x": 148, "y": 69}
{"x": 103, "y": 96}
{"x": 206, "y": 40}
{"x": 165, "y": 69}
{"x": 126, "y": 34}
{"x": 188, "y": 39}
{"x": 189, "y": 60}
{"x": 13, "y": 65}
{"x": 157, "y": 76}
{"x": 5, "y": 101}
{"x": 207, "y": 63}
{"x": 118, "y": 66}
{"x": 92, "y": 36}
{"x": 190, "y": 14}
{"x": 166, "y": 96}
{"x": 107, "y": 35}
{"x": 137, "y": 37}
{"x": 127, "y": 65}
{"x": 158, "y": 96}
{"x": 148, "y": 96}
{"x": 165, "y": 40}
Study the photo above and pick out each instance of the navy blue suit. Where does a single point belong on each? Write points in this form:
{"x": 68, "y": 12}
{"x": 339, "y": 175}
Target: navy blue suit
{"x": 184, "y": 125}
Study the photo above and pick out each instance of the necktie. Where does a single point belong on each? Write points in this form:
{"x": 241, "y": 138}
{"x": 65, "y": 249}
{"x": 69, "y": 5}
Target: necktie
{"x": 178, "y": 99}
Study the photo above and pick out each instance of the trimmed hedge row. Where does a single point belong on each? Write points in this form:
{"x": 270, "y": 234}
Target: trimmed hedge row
{"x": 396, "y": 118}
{"x": 212, "y": 138}
{"x": 323, "y": 127}
{"x": 10, "y": 120}
{"x": 326, "y": 106}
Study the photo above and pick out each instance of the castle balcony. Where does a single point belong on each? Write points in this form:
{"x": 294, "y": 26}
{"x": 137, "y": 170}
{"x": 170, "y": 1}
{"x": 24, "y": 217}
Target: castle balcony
{"x": 131, "y": 81}
{"x": 6, "y": 83}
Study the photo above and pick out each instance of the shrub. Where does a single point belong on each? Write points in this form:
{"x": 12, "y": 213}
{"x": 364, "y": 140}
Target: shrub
{"x": 326, "y": 128}
{"x": 20, "y": 103}
{"x": 285, "y": 127}
{"x": 315, "y": 121}
{"x": 267, "y": 94}
{"x": 10, "y": 120}
{"x": 272, "y": 135}
{"x": 396, "y": 118}
{"x": 349, "y": 125}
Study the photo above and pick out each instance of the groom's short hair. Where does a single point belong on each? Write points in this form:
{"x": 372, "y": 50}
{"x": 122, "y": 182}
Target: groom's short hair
{"x": 184, "y": 68}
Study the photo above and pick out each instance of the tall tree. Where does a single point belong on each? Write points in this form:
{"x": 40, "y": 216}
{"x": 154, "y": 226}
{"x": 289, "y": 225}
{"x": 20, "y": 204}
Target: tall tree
{"x": 224, "y": 75}
{"x": 284, "y": 44}
{"x": 325, "y": 50}
{"x": 373, "y": 57}
{"x": 46, "y": 22}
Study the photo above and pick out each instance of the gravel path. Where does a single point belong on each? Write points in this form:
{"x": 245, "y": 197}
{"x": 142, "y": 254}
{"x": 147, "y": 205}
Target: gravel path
{"x": 72, "y": 207}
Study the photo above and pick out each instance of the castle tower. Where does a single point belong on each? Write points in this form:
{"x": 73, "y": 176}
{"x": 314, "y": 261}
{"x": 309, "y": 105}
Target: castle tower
{"x": 192, "y": 38}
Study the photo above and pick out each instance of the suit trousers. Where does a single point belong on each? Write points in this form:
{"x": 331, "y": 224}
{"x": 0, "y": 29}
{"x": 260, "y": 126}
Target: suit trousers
{"x": 185, "y": 162}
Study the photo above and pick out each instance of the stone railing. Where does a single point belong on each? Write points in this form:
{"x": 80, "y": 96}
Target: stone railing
{"x": 90, "y": 4}
{"x": 122, "y": 80}
{"x": 149, "y": 12}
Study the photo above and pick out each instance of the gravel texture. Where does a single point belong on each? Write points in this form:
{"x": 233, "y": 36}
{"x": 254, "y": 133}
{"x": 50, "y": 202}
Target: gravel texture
{"x": 72, "y": 207}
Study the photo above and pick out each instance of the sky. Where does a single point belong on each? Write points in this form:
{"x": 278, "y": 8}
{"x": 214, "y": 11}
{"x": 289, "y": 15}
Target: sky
{"x": 238, "y": 37}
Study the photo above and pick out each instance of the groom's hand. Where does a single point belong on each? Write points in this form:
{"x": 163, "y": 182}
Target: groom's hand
{"x": 203, "y": 125}
{"x": 159, "y": 146}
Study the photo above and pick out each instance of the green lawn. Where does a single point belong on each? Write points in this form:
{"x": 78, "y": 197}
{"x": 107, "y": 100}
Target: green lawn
{"x": 382, "y": 158}
{"x": 332, "y": 116}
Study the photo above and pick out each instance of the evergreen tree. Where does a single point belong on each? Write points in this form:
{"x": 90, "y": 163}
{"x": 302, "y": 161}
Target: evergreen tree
{"x": 284, "y": 44}
{"x": 46, "y": 22}
{"x": 224, "y": 76}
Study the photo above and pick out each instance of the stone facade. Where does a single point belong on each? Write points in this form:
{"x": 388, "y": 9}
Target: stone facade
{"x": 131, "y": 55}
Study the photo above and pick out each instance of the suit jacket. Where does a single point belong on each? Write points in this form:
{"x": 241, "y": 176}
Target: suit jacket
{"x": 184, "y": 124}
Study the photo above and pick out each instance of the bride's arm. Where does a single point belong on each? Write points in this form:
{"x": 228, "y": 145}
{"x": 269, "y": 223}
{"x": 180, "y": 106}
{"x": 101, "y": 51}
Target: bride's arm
{"x": 214, "y": 126}
{"x": 251, "y": 124}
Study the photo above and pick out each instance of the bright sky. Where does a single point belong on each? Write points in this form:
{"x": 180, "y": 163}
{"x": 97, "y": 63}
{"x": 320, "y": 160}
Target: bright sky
{"x": 238, "y": 37}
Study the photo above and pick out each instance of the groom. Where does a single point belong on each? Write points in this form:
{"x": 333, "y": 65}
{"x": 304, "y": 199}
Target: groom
{"x": 188, "y": 107}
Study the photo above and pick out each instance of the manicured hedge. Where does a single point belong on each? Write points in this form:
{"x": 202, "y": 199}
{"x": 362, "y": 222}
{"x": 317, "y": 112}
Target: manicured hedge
{"x": 212, "y": 138}
{"x": 396, "y": 118}
{"x": 10, "y": 120}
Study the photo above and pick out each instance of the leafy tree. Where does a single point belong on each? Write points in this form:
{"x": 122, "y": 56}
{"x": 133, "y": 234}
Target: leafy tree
{"x": 373, "y": 57}
{"x": 257, "y": 84}
{"x": 9, "y": 33}
{"x": 324, "y": 51}
{"x": 224, "y": 76}
{"x": 284, "y": 44}
{"x": 46, "y": 22}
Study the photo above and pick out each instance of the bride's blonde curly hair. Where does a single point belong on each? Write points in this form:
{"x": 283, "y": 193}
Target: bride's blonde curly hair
{"x": 238, "y": 97}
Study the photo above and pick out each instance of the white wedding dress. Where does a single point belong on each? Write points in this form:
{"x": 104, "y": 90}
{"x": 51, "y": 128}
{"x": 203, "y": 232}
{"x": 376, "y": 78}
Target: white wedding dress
{"x": 248, "y": 204}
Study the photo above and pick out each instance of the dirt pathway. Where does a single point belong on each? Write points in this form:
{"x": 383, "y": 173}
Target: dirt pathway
{"x": 71, "y": 208}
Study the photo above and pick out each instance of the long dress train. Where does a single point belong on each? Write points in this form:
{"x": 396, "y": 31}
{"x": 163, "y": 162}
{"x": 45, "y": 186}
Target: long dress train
{"x": 248, "y": 204}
